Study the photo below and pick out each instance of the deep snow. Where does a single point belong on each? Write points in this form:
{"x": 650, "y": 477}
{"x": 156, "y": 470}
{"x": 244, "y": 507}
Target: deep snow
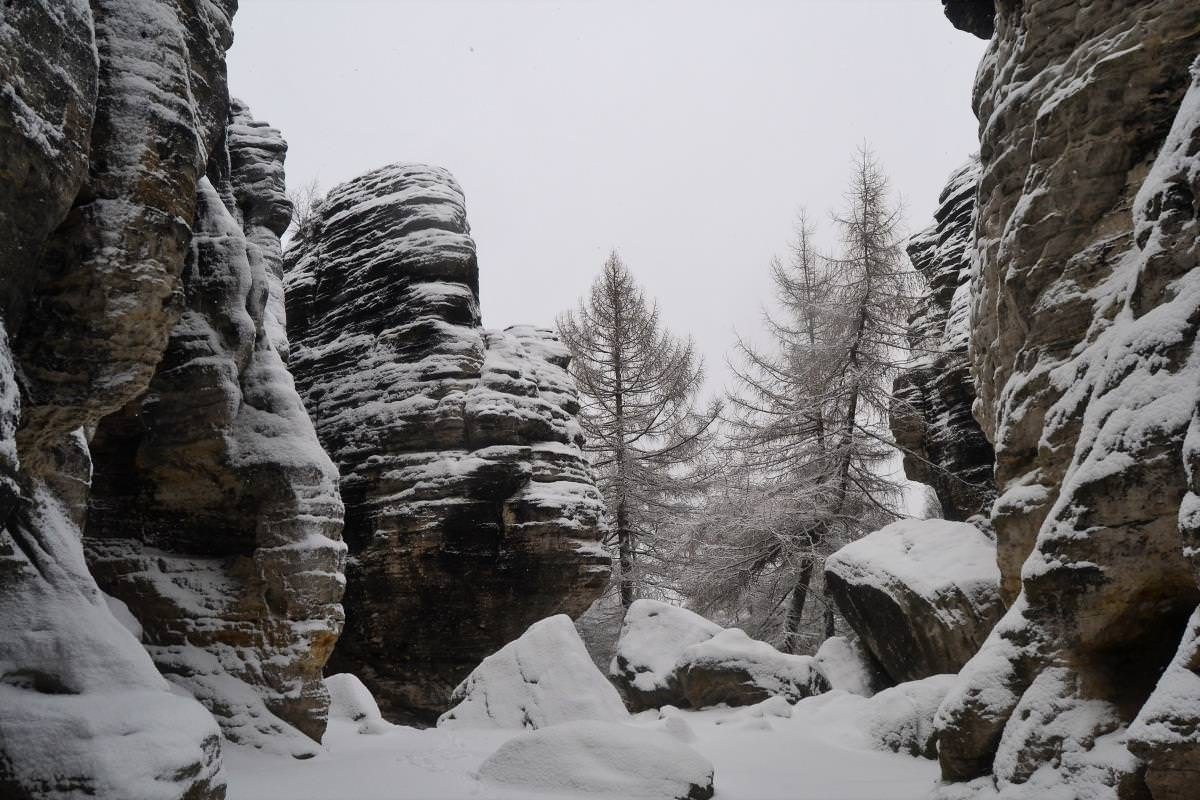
{"x": 820, "y": 752}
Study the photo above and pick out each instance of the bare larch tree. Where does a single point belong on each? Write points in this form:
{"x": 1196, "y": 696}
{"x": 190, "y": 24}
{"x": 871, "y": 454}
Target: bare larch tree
{"x": 806, "y": 421}
{"x": 640, "y": 388}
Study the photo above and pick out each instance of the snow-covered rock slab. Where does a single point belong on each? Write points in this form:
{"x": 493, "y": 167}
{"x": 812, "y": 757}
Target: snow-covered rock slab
{"x": 848, "y": 665}
{"x": 653, "y": 637}
{"x": 601, "y": 758}
{"x": 351, "y": 701}
{"x": 921, "y": 594}
{"x": 901, "y": 719}
{"x": 543, "y": 678}
{"x": 734, "y": 669}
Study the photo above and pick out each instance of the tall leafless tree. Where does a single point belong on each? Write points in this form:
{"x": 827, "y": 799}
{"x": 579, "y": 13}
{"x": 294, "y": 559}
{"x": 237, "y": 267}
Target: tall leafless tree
{"x": 641, "y": 413}
{"x": 806, "y": 424}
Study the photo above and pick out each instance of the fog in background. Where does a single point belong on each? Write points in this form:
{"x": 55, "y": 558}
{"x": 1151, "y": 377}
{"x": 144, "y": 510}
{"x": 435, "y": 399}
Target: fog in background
{"x": 684, "y": 134}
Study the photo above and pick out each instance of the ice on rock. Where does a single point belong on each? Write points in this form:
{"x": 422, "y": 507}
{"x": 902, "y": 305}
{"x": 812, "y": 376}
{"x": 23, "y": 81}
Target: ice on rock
{"x": 543, "y": 678}
{"x": 601, "y": 758}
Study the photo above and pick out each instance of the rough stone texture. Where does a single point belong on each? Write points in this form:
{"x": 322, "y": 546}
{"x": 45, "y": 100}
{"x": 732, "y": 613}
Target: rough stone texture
{"x": 214, "y": 512}
{"x": 973, "y": 16}
{"x": 734, "y": 669}
{"x": 1084, "y": 347}
{"x": 470, "y": 510}
{"x": 931, "y": 418}
{"x": 48, "y": 84}
{"x": 99, "y": 186}
{"x": 922, "y": 595}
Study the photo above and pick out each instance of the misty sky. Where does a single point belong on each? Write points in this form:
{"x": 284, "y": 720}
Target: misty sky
{"x": 684, "y": 134}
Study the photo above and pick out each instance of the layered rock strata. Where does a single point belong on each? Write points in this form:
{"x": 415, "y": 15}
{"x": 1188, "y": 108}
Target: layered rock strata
{"x": 471, "y": 511}
{"x": 931, "y": 418}
{"x": 131, "y": 314}
{"x": 1084, "y": 349}
{"x": 214, "y": 513}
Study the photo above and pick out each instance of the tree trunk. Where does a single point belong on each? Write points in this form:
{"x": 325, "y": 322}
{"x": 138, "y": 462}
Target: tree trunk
{"x": 795, "y": 616}
{"x": 830, "y": 619}
{"x": 625, "y": 550}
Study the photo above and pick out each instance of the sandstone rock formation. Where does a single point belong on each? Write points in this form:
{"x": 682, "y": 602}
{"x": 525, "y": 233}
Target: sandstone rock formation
{"x": 132, "y": 334}
{"x": 974, "y": 16}
{"x": 1084, "y": 347}
{"x": 931, "y": 418}
{"x": 733, "y": 669}
{"x": 543, "y": 678}
{"x": 921, "y": 594}
{"x": 653, "y": 637}
{"x": 214, "y": 513}
{"x": 470, "y": 509}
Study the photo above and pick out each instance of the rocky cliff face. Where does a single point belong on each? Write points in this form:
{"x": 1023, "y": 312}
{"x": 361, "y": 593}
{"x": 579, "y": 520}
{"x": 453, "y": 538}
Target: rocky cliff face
{"x": 135, "y": 268}
{"x": 1084, "y": 350}
{"x": 931, "y": 416}
{"x": 470, "y": 509}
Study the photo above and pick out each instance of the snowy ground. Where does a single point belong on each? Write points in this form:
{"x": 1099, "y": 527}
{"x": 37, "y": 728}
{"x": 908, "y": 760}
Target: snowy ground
{"x": 820, "y": 753}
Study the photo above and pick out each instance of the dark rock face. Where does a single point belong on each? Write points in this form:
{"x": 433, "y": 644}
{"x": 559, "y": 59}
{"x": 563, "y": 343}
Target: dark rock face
{"x": 1084, "y": 347}
{"x": 133, "y": 335}
{"x": 931, "y": 416}
{"x": 922, "y": 595}
{"x": 973, "y": 16}
{"x": 470, "y": 509}
{"x": 214, "y": 512}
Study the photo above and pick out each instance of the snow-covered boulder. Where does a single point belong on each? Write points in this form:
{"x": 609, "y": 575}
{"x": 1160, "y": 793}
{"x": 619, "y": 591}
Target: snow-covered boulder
{"x": 543, "y": 678}
{"x": 848, "y": 665}
{"x": 653, "y": 637}
{"x": 734, "y": 669}
{"x": 350, "y": 701}
{"x": 921, "y": 594}
{"x": 601, "y": 758}
{"x": 901, "y": 719}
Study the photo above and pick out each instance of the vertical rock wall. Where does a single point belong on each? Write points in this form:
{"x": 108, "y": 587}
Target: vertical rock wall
{"x": 470, "y": 509}
{"x": 931, "y": 418}
{"x": 1084, "y": 334}
{"x": 134, "y": 331}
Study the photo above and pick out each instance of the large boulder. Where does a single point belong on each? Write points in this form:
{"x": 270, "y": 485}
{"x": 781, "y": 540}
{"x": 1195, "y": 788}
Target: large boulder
{"x": 471, "y": 511}
{"x": 543, "y": 678}
{"x": 1085, "y": 320}
{"x": 921, "y": 594}
{"x": 653, "y": 637}
{"x": 601, "y": 758}
{"x": 733, "y": 669}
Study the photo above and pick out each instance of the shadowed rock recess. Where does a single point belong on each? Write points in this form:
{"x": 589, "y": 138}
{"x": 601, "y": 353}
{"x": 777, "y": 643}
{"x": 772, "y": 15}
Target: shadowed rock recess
{"x": 137, "y": 258}
{"x": 470, "y": 509}
{"x": 1084, "y": 352}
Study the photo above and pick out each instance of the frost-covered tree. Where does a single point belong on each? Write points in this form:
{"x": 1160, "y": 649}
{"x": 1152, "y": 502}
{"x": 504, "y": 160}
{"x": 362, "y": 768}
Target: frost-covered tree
{"x": 806, "y": 428}
{"x": 306, "y": 207}
{"x": 641, "y": 413}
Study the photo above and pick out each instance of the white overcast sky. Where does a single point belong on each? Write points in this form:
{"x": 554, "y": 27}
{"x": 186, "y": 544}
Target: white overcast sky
{"x": 683, "y": 133}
